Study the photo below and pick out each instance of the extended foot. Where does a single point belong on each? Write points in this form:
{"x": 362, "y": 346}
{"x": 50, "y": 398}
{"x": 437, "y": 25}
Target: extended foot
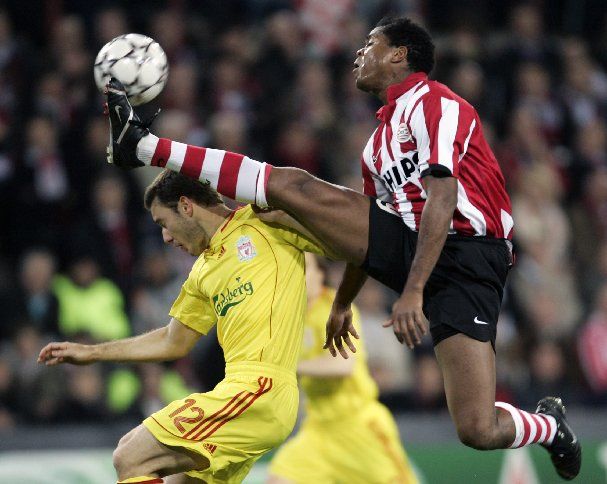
{"x": 565, "y": 450}
{"x": 126, "y": 129}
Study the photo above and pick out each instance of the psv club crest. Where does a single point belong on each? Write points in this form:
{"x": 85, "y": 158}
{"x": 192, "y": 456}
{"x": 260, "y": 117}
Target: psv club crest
{"x": 245, "y": 249}
{"x": 402, "y": 133}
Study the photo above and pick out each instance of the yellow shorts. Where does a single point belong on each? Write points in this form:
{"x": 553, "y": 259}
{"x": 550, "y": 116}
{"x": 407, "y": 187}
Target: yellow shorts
{"x": 246, "y": 415}
{"x": 365, "y": 449}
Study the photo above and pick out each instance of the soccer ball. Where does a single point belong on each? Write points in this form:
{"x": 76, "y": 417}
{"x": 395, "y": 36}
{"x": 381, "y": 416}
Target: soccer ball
{"x": 135, "y": 60}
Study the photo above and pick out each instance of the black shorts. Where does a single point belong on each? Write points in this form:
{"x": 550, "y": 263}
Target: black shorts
{"x": 464, "y": 292}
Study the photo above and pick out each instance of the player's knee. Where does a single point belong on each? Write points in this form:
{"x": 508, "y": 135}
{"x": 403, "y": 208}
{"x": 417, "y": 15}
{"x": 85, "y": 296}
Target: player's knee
{"x": 123, "y": 461}
{"x": 475, "y": 434}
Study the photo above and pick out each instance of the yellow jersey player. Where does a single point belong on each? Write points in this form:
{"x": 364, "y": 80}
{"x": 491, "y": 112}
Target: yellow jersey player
{"x": 249, "y": 280}
{"x": 347, "y": 436}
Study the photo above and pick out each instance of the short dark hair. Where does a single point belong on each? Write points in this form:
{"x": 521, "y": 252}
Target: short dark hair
{"x": 169, "y": 186}
{"x": 403, "y": 31}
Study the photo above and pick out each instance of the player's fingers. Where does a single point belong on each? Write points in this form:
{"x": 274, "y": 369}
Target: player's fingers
{"x": 412, "y": 330}
{"x": 398, "y": 331}
{"x": 388, "y": 323}
{"x": 329, "y": 343}
{"x": 61, "y": 353}
{"x": 329, "y": 339}
{"x": 352, "y": 331}
{"x": 349, "y": 342}
{"x": 43, "y": 353}
{"x": 404, "y": 332}
{"x": 422, "y": 325}
{"x": 339, "y": 344}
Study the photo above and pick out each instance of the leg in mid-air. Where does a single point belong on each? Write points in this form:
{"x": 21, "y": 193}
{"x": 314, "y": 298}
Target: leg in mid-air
{"x": 468, "y": 368}
{"x": 141, "y": 458}
{"x": 336, "y": 215}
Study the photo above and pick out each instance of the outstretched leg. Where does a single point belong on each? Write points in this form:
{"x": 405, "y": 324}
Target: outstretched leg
{"x": 336, "y": 215}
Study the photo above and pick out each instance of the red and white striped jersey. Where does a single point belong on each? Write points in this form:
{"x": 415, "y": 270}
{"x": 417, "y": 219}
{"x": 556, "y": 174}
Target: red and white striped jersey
{"x": 426, "y": 129}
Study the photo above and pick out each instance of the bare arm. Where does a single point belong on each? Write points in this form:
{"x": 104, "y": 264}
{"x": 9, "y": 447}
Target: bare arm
{"x": 326, "y": 367}
{"x": 339, "y": 325}
{"x": 351, "y": 283}
{"x": 407, "y": 316}
{"x": 168, "y": 343}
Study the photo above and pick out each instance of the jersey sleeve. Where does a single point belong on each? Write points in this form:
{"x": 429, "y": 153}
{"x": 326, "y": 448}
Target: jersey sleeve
{"x": 193, "y": 308}
{"x": 442, "y": 129}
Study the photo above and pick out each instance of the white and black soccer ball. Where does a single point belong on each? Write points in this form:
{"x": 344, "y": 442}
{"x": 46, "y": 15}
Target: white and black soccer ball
{"x": 138, "y": 62}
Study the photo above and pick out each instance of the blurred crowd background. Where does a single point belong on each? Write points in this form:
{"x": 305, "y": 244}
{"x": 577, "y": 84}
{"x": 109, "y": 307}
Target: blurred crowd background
{"x": 80, "y": 259}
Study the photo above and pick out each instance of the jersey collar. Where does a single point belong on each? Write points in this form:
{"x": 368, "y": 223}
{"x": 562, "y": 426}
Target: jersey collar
{"x": 397, "y": 90}
{"x": 219, "y": 233}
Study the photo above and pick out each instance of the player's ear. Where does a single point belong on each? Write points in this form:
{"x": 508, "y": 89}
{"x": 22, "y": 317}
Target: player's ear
{"x": 185, "y": 206}
{"x": 399, "y": 54}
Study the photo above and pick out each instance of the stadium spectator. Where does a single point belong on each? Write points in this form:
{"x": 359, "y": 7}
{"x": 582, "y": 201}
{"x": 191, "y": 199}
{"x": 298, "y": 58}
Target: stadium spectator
{"x": 36, "y": 393}
{"x": 36, "y": 300}
{"x": 153, "y": 296}
{"x": 89, "y": 303}
{"x": 592, "y": 342}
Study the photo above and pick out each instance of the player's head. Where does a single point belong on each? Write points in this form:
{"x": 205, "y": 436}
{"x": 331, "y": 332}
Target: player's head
{"x": 316, "y": 275}
{"x": 394, "y": 48}
{"x": 185, "y": 209}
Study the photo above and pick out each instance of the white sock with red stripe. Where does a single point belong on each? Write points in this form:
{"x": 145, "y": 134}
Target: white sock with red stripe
{"x": 531, "y": 428}
{"x": 235, "y": 176}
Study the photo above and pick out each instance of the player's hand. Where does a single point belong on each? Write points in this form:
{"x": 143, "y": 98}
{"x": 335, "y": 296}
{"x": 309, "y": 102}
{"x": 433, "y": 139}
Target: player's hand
{"x": 339, "y": 329}
{"x": 74, "y": 353}
{"x": 407, "y": 319}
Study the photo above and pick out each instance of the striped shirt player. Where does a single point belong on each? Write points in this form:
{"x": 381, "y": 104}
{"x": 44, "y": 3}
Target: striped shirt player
{"x": 434, "y": 224}
{"x": 427, "y": 129}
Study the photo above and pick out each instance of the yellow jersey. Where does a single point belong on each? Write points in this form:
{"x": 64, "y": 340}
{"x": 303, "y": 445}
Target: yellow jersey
{"x": 251, "y": 283}
{"x": 332, "y": 399}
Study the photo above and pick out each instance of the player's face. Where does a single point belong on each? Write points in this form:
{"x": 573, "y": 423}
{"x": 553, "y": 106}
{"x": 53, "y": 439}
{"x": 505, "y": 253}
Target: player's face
{"x": 179, "y": 229}
{"x": 371, "y": 67}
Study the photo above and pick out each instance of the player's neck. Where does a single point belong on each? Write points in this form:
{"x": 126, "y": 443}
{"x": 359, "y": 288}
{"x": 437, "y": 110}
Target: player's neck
{"x": 395, "y": 77}
{"x": 214, "y": 218}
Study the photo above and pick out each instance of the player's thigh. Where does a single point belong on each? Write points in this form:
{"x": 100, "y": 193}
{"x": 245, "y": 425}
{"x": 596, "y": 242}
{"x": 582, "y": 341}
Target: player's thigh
{"x": 336, "y": 215}
{"x": 468, "y": 368}
{"x": 140, "y": 452}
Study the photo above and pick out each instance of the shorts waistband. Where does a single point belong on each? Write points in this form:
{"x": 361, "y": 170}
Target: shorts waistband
{"x": 258, "y": 368}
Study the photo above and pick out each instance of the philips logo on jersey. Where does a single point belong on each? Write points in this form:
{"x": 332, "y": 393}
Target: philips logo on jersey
{"x": 229, "y": 298}
{"x": 397, "y": 175}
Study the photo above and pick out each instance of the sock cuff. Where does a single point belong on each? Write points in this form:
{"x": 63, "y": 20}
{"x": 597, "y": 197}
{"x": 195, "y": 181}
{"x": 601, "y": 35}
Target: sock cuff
{"x": 146, "y": 148}
{"x": 262, "y": 182}
{"x": 518, "y": 422}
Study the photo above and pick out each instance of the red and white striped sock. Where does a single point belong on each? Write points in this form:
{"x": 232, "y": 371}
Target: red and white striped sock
{"x": 236, "y": 176}
{"x": 531, "y": 428}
